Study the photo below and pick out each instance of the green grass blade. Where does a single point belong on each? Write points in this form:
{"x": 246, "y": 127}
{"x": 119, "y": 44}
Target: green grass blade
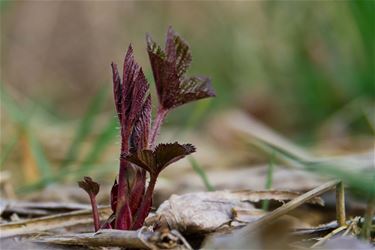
{"x": 201, "y": 173}
{"x": 359, "y": 181}
{"x": 85, "y": 127}
{"x": 41, "y": 160}
{"x": 7, "y": 150}
{"x": 17, "y": 114}
{"x": 64, "y": 174}
{"x": 269, "y": 180}
{"x": 100, "y": 144}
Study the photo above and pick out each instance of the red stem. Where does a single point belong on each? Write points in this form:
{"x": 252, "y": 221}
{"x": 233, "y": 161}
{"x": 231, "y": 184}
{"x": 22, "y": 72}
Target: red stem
{"x": 146, "y": 204}
{"x": 95, "y": 213}
{"x": 122, "y": 195}
{"x": 147, "y": 199}
{"x": 160, "y": 116}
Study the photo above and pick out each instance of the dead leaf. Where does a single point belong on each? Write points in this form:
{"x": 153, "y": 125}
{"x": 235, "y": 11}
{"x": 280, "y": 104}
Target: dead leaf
{"x": 205, "y": 212}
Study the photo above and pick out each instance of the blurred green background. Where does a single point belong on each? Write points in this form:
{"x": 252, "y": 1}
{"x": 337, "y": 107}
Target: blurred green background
{"x": 306, "y": 69}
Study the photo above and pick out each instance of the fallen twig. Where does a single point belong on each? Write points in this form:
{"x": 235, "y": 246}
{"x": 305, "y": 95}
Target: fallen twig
{"x": 109, "y": 238}
{"x": 39, "y": 208}
{"x": 50, "y": 222}
{"x": 141, "y": 239}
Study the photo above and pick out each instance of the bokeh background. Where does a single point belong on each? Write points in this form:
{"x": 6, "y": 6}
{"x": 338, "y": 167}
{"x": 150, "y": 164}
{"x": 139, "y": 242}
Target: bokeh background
{"x": 304, "y": 69}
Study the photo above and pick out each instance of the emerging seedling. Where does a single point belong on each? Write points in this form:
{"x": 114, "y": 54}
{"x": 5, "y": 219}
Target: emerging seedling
{"x": 131, "y": 202}
{"x": 92, "y": 188}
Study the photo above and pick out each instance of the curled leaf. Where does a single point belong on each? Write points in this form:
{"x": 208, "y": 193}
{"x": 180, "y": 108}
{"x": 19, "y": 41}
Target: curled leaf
{"x": 154, "y": 161}
{"x": 90, "y": 186}
{"x": 169, "y": 67}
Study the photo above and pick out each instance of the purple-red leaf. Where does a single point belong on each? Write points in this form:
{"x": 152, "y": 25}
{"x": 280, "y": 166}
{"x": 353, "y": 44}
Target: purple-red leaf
{"x": 163, "y": 155}
{"x": 114, "y": 194}
{"x": 178, "y": 52}
{"x": 130, "y": 99}
{"x": 194, "y": 88}
{"x": 134, "y": 113}
{"x": 169, "y": 67}
{"x": 117, "y": 90}
{"x": 137, "y": 191}
{"x": 169, "y": 153}
{"x": 142, "y": 127}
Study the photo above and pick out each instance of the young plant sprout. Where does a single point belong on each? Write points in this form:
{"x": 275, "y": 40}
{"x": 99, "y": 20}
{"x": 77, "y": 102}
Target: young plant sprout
{"x": 130, "y": 200}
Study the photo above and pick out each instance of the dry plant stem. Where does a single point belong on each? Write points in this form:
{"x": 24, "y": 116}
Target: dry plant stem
{"x": 340, "y": 204}
{"x": 141, "y": 239}
{"x": 272, "y": 216}
{"x": 352, "y": 223}
{"x": 328, "y": 236}
{"x": 370, "y": 211}
{"x": 95, "y": 212}
{"x": 107, "y": 238}
{"x": 160, "y": 116}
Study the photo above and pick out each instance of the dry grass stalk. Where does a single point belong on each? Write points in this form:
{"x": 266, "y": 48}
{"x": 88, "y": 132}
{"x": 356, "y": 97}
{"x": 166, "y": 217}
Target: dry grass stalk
{"x": 340, "y": 204}
{"x": 328, "y": 236}
{"x": 370, "y": 211}
{"x": 272, "y": 216}
{"x": 50, "y": 222}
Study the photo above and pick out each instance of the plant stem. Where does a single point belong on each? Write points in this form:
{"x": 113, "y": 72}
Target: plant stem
{"x": 146, "y": 204}
{"x": 160, "y": 116}
{"x": 137, "y": 191}
{"x": 95, "y": 213}
{"x": 122, "y": 193}
{"x": 340, "y": 204}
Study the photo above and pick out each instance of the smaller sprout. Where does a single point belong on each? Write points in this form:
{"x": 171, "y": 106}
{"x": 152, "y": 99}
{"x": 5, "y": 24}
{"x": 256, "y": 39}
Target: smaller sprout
{"x": 92, "y": 188}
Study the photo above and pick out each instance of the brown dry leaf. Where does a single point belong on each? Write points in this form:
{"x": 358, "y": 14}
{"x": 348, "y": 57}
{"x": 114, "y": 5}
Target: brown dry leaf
{"x": 205, "y": 212}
